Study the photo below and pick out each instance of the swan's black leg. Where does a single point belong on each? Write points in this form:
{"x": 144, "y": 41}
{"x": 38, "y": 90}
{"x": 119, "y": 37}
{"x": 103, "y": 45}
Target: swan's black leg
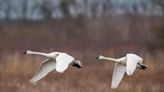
{"x": 142, "y": 66}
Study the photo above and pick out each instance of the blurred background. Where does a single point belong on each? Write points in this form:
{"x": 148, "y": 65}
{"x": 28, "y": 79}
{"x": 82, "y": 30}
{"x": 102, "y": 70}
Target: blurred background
{"x": 84, "y": 29}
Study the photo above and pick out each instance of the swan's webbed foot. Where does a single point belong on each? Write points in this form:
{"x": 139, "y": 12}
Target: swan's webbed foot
{"x": 143, "y": 66}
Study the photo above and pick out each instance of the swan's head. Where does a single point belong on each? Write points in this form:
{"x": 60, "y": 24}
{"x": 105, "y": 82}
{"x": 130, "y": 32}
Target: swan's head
{"x": 77, "y": 63}
{"x": 26, "y": 52}
{"x": 100, "y": 57}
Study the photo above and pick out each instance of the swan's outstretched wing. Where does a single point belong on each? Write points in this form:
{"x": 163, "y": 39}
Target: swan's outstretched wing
{"x": 46, "y": 66}
{"x": 131, "y": 64}
{"x": 119, "y": 71}
{"x": 62, "y": 62}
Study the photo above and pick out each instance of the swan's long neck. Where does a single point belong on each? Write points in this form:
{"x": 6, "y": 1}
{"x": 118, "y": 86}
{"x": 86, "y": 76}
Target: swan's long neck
{"x": 37, "y": 53}
{"x": 108, "y": 58}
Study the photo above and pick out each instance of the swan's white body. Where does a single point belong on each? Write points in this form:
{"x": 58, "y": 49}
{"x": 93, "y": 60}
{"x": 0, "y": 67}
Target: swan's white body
{"x": 58, "y": 61}
{"x": 126, "y": 64}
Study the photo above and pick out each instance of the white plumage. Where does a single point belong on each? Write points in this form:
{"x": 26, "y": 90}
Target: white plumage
{"x": 63, "y": 61}
{"x": 131, "y": 63}
{"x": 45, "y": 67}
{"x": 55, "y": 61}
{"x": 119, "y": 71}
{"x": 126, "y": 64}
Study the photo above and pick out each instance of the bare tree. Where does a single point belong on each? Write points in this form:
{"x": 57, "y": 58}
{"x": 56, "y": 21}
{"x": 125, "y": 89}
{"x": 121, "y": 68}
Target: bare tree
{"x": 160, "y": 3}
{"x": 46, "y": 9}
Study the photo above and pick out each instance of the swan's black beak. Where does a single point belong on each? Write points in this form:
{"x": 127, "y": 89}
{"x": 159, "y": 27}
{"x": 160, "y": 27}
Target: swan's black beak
{"x": 97, "y": 57}
{"x": 24, "y": 52}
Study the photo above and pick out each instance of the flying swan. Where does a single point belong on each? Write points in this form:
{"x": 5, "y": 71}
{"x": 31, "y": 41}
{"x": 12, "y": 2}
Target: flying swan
{"x": 126, "y": 64}
{"x": 58, "y": 61}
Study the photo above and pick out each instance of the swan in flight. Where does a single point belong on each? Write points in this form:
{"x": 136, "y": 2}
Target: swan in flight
{"x": 126, "y": 64}
{"x": 58, "y": 61}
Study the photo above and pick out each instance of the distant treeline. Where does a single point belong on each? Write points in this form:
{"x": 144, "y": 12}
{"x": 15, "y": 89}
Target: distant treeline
{"x": 57, "y": 9}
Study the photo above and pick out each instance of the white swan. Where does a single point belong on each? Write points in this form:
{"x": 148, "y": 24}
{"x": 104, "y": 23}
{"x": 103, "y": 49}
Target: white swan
{"x": 126, "y": 64}
{"x": 58, "y": 61}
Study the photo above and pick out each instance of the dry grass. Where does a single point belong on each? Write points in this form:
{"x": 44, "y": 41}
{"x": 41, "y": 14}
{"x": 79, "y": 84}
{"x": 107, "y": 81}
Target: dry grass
{"x": 16, "y": 70}
{"x": 84, "y": 39}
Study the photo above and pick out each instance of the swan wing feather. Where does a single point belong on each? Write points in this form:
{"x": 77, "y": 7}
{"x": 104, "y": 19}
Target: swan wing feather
{"x": 46, "y": 66}
{"x": 119, "y": 71}
{"x": 131, "y": 64}
{"x": 62, "y": 62}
